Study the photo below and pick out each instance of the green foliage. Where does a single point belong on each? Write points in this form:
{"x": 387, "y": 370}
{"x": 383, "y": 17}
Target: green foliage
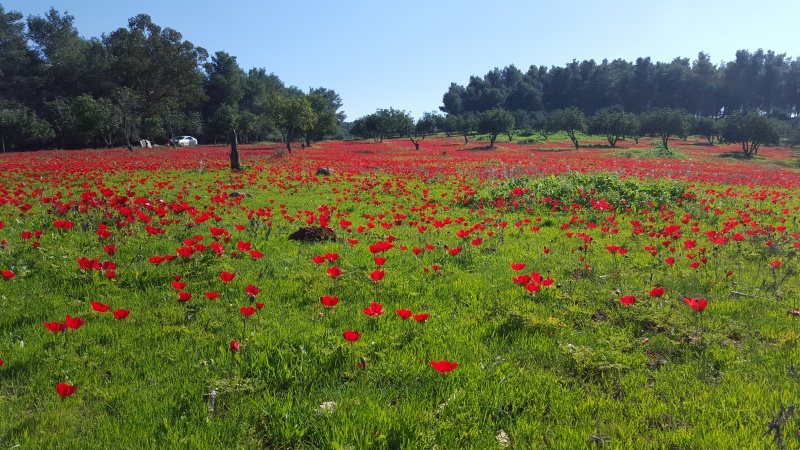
{"x": 494, "y": 122}
{"x": 665, "y": 122}
{"x": 583, "y": 188}
{"x": 752, "y": 130}
{"x": 571, "y": 121}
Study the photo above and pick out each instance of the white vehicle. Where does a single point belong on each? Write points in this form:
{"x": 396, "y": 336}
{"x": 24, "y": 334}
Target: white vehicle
{"x": 184, "y": 141}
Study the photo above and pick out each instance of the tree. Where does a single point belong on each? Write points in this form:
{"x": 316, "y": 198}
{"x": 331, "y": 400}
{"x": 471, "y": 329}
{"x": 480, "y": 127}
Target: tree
{"x": 705, "y": 126}
{"x": 293, "y": 115}
{"x": 325, "y": 103}
{"x": 22, "y": 126}
{"x": 665, "y": 122}
{"x": 494, "y": 122}
{"x": 20, "y": 68}
{"x": 612, "y": 122}
{"x": 571, "y": 121}
{"x": 95, "y": 118}
{"x": 752, "y": 130}
{"x": 156, "y": 65}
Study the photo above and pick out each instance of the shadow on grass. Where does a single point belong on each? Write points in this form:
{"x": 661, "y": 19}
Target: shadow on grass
{"x": 739, "y": 155}
{"x": 478, "y": 149}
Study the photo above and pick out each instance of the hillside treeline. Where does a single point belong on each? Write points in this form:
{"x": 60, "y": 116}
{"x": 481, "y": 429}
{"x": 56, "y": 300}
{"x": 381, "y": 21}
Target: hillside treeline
{"x": 143, "y": 81}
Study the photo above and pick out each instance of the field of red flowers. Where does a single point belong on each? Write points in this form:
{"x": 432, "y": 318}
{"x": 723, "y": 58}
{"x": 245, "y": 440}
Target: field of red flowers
{"x": 530, "y": 295}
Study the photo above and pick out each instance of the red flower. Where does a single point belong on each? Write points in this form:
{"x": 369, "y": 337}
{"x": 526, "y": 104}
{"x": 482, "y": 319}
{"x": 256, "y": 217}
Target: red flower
{"x": 7, "y": 274}
{"x": 443, "y": 366}
{"x": 331, "y": 256}
{"x": 334, "y": 271}
{"x": 251, "y": 290}
{"x": 670, "y": 261}
{"x": 775, "y": 264}
{"x": 421, "y": 317}
{"x": 99, "y": 307}
{"x": 628, "y": 300}
{"x": 178, "y": 285}
{"x": 697, "y": 304}
{"x": 120, "y": 314}
{"x": 351, "y": 335}
{"x": 156, "y": 259}
{"x": 404, "y": 313}
{"x": 329, "y": 301}
{"x": 184, "y": 296}
{"x": 518, "y": 266}
{"x": 211, "y": 295}
{"x": 1, "y": 363}
{"x": 318, "y": 259}
{"x": 234, "y": 346}
{"x": 377, "y": 275}
{"x": 227, "y": 276}
{"x": 256, "y": 254}
{"x": 74, "y": 322}
{"x": 247, "y": 311}
{"x": 259, "y": 305}
{"x": 657, "y": 292}
{"x": 454, "y": 251}
{"x": 55, "y": 327}
{"x": 379, "y": 260}
{"x": 65, "y": 390}
{"x": 375, "y": 309}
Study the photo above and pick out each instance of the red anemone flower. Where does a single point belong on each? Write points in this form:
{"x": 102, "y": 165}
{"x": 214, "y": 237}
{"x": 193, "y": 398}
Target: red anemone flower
{"x": 120, "y": 314}
{"x": 178, "y": 285}
{"x": 628, "y": 300}
{"x": 697, "y": 304}
{"x": 329, "y": 301}
{"x": 318, "y": 259}
{"x": 74, "y": 322}
{"x": 55, "y": 327}
{"x": 377, "y": 275}
{"x": 65, "y": 390}
{"x": 99, "y": 307}
{"x": 404, "y": 313}
{"x": 234, "y": 346}
{"x": 334, "y": 271}
{"x": 421, "y": 317}
{"x": 443, "y": 366}
{"x": 375, "y": 309}
{"x": 351, "y": 335}
{"x": 7, "y": 274}
{"x": 247, "y": 311}
{"x": 379, "y": 260}
{"x": 251, "y": 290}
{"x": 184, "y": 296}
{"x": 518, "y": 266}
{"x": 211, "y": 295}
{"x": 227, "y": 276}
{"x": 657, "y": 292}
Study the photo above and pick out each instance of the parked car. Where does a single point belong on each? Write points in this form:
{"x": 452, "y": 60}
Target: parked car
{"x": 184, "y": 141}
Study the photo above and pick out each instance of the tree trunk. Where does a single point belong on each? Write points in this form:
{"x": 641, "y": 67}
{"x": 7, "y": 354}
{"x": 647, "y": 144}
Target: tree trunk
{"x": 492, "y": 138}
{"x": 288, "y": 145}
{"x": 236, "y": 165}
{"x": 4, "y": 144}
{"x": 665, "y": 141}
{"x": 416, "y": 143}
{"x": 466, "y": 141}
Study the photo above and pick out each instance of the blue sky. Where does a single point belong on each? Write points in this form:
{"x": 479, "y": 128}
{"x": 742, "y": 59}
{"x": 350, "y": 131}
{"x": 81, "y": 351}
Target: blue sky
{"x": 405, "y": 54}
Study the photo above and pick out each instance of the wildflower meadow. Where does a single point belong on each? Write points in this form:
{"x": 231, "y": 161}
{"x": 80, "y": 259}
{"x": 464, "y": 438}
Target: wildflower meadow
{"x": 527, "y": 296}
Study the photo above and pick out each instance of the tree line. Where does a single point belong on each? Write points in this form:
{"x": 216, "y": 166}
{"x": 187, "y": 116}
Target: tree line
{"x": 754, "y": 81}
{"x": 751, "y": 130}
{"x": 142, "y": 81}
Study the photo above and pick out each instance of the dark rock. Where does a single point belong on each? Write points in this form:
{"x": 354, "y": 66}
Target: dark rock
{"x": 327, "y": 171}
{"x": 313, "y": 234}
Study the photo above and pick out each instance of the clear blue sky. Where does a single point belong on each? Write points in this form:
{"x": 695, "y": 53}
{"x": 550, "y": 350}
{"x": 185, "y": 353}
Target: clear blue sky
{"x": 405, "y": 54}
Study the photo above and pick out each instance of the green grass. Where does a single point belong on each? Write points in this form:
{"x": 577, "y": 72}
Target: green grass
{"x": 566, "y": 367}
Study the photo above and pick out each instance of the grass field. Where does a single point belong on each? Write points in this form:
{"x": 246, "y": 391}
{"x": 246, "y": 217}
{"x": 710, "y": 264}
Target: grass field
{"x": 609, "y": 297}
